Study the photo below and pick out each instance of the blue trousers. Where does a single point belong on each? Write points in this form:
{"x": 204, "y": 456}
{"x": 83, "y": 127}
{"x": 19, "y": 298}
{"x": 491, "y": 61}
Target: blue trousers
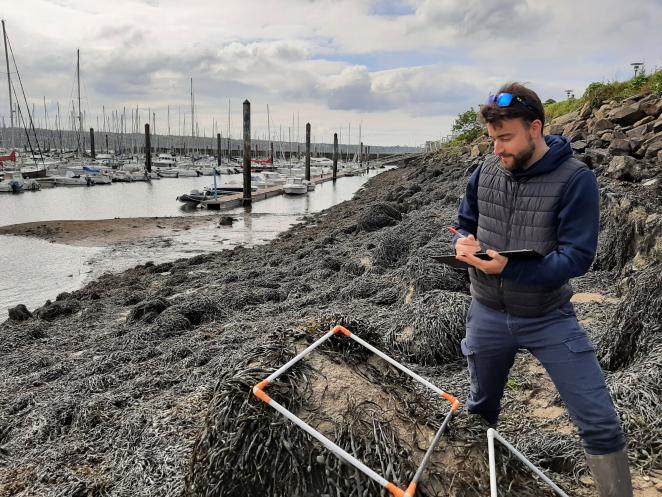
{"x": 561, "y": 345}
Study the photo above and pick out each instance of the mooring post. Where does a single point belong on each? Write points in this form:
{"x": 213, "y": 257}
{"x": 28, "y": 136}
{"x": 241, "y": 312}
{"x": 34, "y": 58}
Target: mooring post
{"x": 247, "y": 200}
{"x": 335, "y": 156}
{"x": 148, "y": 150}
{"x": 92, "y": 143}
{"x": 218, "y": 148}
{"x": 308, "y": 151}
{"x": 271, "y": 153}
{"x": 107, "y": 150}
{"x": 361, "y": 156}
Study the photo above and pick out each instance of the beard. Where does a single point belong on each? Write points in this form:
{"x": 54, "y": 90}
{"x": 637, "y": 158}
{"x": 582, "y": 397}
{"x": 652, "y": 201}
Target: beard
{"x": 520, "y": 159}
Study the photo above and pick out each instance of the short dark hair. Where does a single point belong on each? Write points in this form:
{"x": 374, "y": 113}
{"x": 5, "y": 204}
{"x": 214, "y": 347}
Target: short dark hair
{"x": 495, "y": 115}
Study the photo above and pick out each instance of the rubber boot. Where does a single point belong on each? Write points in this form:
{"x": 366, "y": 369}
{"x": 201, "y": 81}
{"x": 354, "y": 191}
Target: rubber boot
{"x": 611, "y": 474}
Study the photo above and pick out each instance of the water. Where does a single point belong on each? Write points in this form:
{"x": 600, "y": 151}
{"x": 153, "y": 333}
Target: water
{"x": 34, "y": 270}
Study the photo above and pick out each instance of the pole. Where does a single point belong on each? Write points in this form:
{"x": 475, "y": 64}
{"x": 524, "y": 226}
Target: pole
{"x": 335, "y": 156}
{"x": 246, "y": 201}
{"x": 148, "y": 150}
{"x": 361, "y": 155}
{"x": 11, "y": 109}
{"x": 92, "y": 152}
{"x": 271, "y": 155}
{"x": 308, "y": 151}
{"x": 80, "y": 115}
{"x": 218, "y": 149}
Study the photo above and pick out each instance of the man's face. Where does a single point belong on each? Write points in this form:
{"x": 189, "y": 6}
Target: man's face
{"x": 513, "y": 143}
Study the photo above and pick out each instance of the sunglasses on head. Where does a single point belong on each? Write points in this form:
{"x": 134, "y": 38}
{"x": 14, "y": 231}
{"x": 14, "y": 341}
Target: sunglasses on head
{"x": 506, "y": 100}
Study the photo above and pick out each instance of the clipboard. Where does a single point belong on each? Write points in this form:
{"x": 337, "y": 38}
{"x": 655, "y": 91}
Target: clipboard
{"x": 523, "y": 254}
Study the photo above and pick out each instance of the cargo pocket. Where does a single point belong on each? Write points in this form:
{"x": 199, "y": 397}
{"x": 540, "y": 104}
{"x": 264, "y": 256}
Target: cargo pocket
{"x": 578, "y": 344}
{"x": 469, "y": 353}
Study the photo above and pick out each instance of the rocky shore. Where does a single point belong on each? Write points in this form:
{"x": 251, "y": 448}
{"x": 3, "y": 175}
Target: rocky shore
{"x": 139, "y": 383}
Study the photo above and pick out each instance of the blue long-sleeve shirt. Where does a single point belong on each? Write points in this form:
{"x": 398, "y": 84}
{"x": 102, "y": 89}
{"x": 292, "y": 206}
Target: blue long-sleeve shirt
{"x": 577, "y": 228}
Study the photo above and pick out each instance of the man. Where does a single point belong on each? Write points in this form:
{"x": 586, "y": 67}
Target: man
{"x": 532, "y": 194}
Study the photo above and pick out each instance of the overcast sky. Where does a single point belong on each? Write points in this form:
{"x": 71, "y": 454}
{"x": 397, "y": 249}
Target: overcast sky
{"x": 404, "y": 68}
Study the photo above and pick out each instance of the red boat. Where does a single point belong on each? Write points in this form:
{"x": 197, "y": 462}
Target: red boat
{"x": 10, "y": 157}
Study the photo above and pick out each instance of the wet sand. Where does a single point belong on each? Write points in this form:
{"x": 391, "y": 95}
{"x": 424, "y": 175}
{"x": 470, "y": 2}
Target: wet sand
{"x": 106, "y": 232}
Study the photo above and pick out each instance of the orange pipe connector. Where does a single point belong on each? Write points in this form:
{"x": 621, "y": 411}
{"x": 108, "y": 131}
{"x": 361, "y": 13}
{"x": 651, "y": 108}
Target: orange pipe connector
{"x": 455, "y": 404}
{"x": 342, "y": 330}
{"x": 395, "y": 491}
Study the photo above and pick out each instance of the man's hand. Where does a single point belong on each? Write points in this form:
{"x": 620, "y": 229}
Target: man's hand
{"x": 468, "y": 245}
{"x": 494, "y": 266}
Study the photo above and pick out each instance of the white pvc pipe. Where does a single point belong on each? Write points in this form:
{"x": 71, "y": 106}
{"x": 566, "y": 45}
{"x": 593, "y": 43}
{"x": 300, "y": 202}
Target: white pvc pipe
{"x": 521, "y": 457}
{"x": 329, "y": 444}
{"x": 490, "y": 450}
{"x": 398, "y": 365}
{"x": 298, "y": 357}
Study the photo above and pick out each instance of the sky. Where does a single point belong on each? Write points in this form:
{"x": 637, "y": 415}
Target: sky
{"x": 401, "y": 69}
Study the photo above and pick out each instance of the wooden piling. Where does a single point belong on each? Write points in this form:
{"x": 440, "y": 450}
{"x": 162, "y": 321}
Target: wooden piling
{"x": 148, "y": 150}
{"x": 218, "y": 148}
{"x": 92, "y": 151}
{"x": 308, "y": 151}
{"x": 247, "y": 199}
{"x": 271, "y": 153}
{"x": 107, "y": 150}
{"x": 361, "y": 155}
{"x": 335, "y": 156}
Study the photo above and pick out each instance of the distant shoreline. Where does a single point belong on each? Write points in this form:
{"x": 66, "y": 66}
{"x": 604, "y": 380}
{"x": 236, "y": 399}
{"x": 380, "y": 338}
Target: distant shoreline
{"x": 105, "y": 232}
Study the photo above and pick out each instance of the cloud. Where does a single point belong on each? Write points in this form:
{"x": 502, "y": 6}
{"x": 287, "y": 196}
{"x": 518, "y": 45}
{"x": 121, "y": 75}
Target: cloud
{"x": 416, "y": 63}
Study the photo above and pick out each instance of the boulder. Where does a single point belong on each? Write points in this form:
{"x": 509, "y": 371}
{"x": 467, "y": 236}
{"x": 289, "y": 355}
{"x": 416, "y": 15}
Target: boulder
{"x": 652, "y": 108}
{"x": 627, "y": 115}
{"x": 607, "y": 136}
{"x": 656, "y": 127}
{"x": 576, "y": 135}
{"x": 653, "y": 146}
{"x": 619, "y": 134}
{"x": 579, "y": 146}
{"x": 226, "y": 221}
{"x": 566, "y": 118}
{"x": 593, "y": 141}
{"x": 555, "y": 129}
{"x": 585, "y": 112}
{"x": 645, "y": 120}
{"x": 19, "y": 313}
{"x": 480, "y": 149}
{"x": 596, "y": 155}
{"x": 639, "y": 131}
{"x": 619, "y": 146}
{"x": 602, "y": 125}
{"x": 623, "y": 168}
{"x": 51, "y": 310}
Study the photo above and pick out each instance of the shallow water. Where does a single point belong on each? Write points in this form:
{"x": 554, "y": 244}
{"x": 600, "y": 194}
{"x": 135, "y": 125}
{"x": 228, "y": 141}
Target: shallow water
{"x": 35, "y": 270}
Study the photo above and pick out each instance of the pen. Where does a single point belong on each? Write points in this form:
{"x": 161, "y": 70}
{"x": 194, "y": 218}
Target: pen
{"x": 456, "y": 232}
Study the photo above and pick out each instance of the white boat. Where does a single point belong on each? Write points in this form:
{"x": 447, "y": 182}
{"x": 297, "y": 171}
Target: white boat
{"x": 167, "y": 172}
{"x": 295, "y": 186}
{"x": 187, "y": 173}
{"x": 121, "y": 176}
{"x": 14, "y": 182}
{"x": 164, "y": 161}
{"x": 98, "y": 175}
{"x": 272, "y": 178}
{"x": 72, "y": 179}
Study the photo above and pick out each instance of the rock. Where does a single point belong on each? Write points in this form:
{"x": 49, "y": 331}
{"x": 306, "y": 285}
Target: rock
{"x": 579, "y": 146}
{"x": 51, "y": 310}
{"x": 585, "y": 112}
{"x": 602, "y": 124}
{"x": 226, "y": 221}
{"x": 576, "y": 135}
{"x": 645, "y": 120}
{"x": 596, "y": 155}
{"x": 566, "y": 118}
{"x": 656, "y": 127}
{"x": 638, "y": 131}
{"x": 626, "y": 115}
{"x": 659, "y": 157}
{"x": 618, "y": 146}
{"x": 623, "y": 168}
{"x": 619, "y": 134}
{"x": 19, "y": 313}
{"x": 650, "y": 182}
{"x": 555, "y": 129}
{"x": 653, "y": 145}
{"x": 593, "y": 141}
{"x": 652, "y": 108}
{"x": 148, "y": 310}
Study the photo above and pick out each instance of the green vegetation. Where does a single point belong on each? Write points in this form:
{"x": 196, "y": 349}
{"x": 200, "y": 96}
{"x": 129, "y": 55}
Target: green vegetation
{"x": 468, "y": 126}
{"x": 599, "y": 93}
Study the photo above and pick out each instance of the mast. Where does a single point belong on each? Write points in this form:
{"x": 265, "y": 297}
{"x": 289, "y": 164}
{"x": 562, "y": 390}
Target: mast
{"x": 11, "y": 109}
{"x": 269, "y": 134}
{"x": 229, "y": 138}
{"x": 192, "y": 112}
